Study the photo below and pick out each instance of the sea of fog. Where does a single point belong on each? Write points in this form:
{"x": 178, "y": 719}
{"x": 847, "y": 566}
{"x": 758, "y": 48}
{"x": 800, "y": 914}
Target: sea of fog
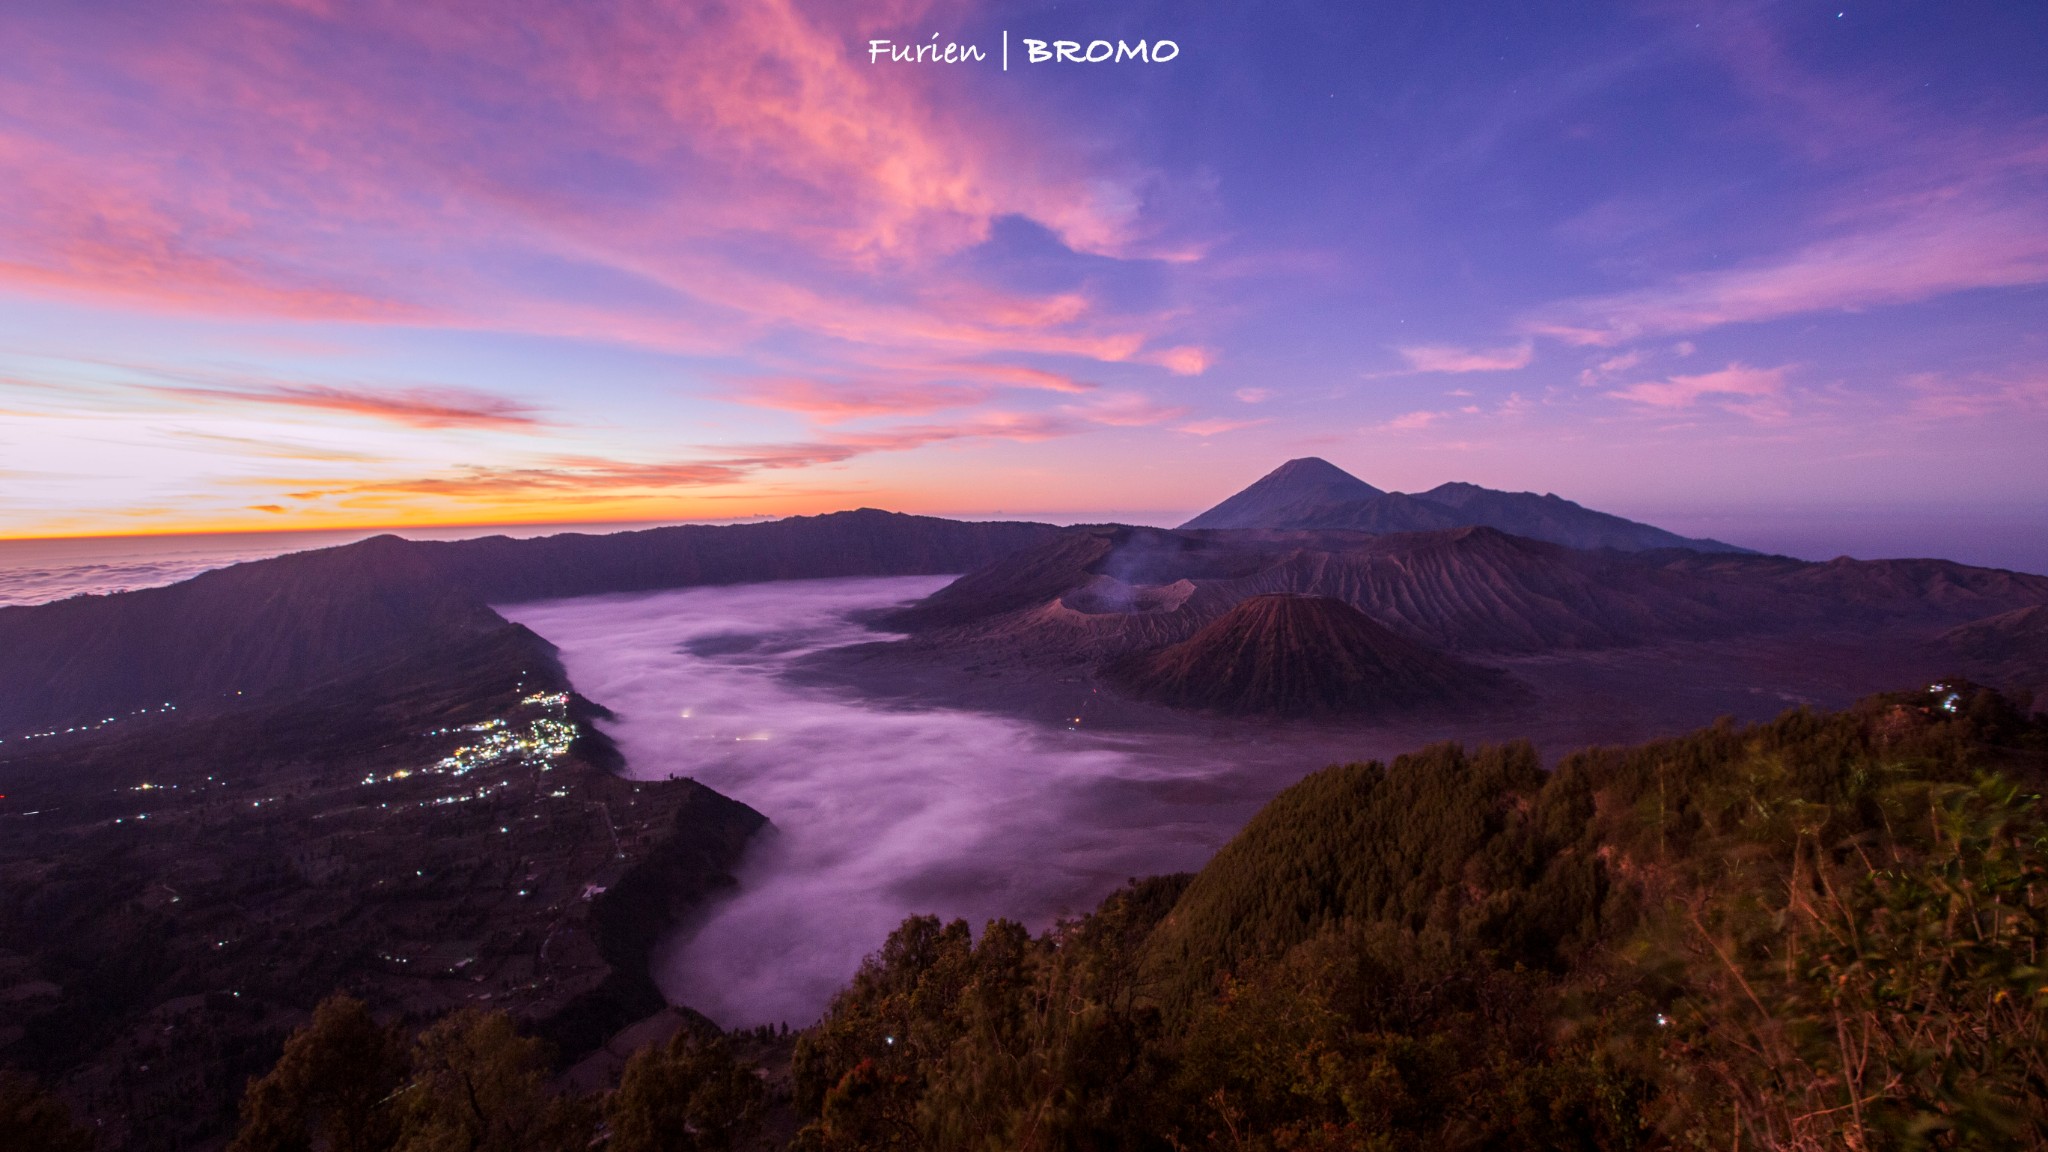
{"x": 879, "y": 813}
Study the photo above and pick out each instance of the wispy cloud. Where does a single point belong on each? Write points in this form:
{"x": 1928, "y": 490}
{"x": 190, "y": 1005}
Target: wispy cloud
{"x": 1937, "y": 250}
{"x": 419, "y": 407}
{"x": 1410, "y": 422}
{"x": 836, "y": 402}
{"x": 1185, "y": 360}
{"x": 1978, "y": 394}
{"x": 1751, "y": 392}
{"x": 756, "y": 177}
{"x": 1918, "y": 206}
{"x": 1124, "y": 410}
{"x": 593, "y": 478}
{"x": 1444, "y": 358}
{"x": 1216, "y": 426}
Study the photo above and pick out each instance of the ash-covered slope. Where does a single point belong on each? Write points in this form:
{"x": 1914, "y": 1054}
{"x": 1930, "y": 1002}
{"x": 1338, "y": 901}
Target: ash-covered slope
{"x": 1107, "y": 591}
{"x": 1290, "y": 655}
{"x": 1313, "y": 494}
{"x": 294, "y": 622}
{"x": 1094, "y": 597}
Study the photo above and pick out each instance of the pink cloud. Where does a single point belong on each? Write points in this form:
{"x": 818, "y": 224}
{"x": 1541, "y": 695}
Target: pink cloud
{"x": 68, "y": 228}
{"x": 764, "y": 180}
{"x": 590, "y": 477}
{"x": 1253, "y": 395}
{"x": 1411, "y": 422}
{"x": 1184, "y": 361}
{"x": 832, "y": 403}
{"x": 1443, "y": 358}
{"x": 1937, "y": 251}
{"x": 1930, "y": 208}
{"x": 1016, "y": 376}
{"x": 1124, "y": 410}
{"x": 1981, "y": 394}
{"x": 1751, "y": 392}
{"x": 1217, "y": 426}
{"x": 419, "y": 407}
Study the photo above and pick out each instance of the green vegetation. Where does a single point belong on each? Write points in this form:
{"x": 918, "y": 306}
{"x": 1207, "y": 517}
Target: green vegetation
{"x": 1825, "y": 932}
{"x": 1822, "y": 933}
{"x": 690, "y": 1095}
{"x": 472, "y": 1083}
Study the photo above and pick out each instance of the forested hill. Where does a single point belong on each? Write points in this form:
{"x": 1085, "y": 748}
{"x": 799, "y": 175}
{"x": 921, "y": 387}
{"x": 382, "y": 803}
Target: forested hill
{"x": 1822, "y": 932}
{"x": 1817, "y": 933}
{"x": 299, "y": 621}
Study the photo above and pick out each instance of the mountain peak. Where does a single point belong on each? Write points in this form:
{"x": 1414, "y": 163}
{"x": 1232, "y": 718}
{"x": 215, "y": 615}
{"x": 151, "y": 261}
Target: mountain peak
{"x": 1314, "y": 470}
{"x": 1287, "y": 492}
{"x": 1314, "y": 494}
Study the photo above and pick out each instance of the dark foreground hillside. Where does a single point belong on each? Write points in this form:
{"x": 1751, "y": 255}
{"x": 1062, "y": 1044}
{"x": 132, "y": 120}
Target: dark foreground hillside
{"x": 177, "y": 893}
{"x": 1822, "y": 932}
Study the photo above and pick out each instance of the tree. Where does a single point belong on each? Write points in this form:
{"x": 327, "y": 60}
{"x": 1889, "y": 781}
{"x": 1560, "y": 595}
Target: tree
{"x": 34, "y": 1120}
{"x": 686, "y": 1096}
{"x": 332, "y": 1088}
{"x": 479, "y": 1086}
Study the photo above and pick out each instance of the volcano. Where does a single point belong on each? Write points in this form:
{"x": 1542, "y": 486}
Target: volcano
{"x": 1293, "y": 655}
{"x": 1313, "y": 494}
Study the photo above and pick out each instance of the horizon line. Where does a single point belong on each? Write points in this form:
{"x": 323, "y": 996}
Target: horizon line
{"x": 1071, "y": 516}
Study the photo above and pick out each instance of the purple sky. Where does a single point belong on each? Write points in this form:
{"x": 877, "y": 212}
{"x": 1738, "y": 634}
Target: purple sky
{"x": 301, "y": 264}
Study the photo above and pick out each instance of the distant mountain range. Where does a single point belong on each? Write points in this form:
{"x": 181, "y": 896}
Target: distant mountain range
{"x": 1189, "y": 617}
{"x": 1463, "y": 571}
{"x": 252, "y": 631}
{"x": 1311, "y": 494}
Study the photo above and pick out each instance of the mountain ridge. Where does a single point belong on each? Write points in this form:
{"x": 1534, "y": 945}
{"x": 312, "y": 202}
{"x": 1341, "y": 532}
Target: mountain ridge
{"x": 1310, "y": 493}
{"x": 291, "y": 622}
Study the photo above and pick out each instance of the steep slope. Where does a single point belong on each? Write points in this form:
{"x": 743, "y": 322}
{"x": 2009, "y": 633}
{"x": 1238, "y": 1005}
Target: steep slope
{"x": 1024, "y": 580}
{"x": 1289, "y": 493}
{"x": 1292, "y": 655}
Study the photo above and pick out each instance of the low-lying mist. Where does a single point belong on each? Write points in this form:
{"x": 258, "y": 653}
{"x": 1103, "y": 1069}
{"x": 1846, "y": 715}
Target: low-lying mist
{"x": 879, "y": 813}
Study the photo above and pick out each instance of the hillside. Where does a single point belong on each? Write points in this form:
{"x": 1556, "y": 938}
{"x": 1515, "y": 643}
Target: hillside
{"x": 1289, "y": 655}
{"x": 1104, "y": 591}
{"x": 178, "y": 890}
{"x": 278, "y": 626}
{"x": 1671, "y": 637}
{"x": 2011, "y": 647}
{"x": 1814, "y": 933}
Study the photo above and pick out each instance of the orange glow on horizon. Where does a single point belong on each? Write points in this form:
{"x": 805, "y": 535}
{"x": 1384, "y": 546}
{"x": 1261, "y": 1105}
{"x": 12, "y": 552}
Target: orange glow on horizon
{"x": 765, "y": 508}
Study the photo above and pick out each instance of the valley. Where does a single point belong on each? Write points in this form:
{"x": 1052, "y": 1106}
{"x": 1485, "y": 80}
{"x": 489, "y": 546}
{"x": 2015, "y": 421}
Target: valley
{"x": 622, "y": 786}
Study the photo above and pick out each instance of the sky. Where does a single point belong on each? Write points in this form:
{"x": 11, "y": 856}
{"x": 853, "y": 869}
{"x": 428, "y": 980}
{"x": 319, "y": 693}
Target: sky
{"x": 301, "y": 264}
